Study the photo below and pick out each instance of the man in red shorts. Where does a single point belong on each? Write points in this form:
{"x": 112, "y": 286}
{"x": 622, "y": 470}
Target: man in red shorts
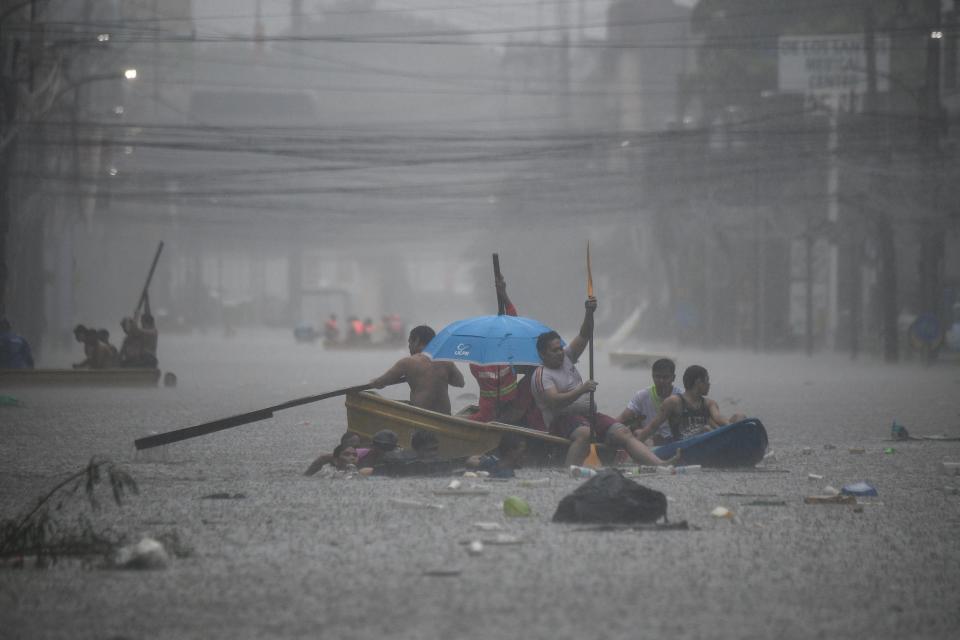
{"x": 564, "y": 400}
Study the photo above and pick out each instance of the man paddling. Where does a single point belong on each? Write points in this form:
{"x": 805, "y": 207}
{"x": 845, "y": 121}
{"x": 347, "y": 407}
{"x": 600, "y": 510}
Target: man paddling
{"x": 689, "y": 413}
{"x": 428, "y": 380}
{"x": 564, "y": 399}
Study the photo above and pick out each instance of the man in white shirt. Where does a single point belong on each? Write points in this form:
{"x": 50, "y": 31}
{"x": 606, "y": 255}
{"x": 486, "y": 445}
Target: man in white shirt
{"x": 564, "y": 399}
{"x": 645, "y": 404}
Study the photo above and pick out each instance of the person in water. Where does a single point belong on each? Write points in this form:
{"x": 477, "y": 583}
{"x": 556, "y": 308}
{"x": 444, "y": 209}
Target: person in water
{"x": 428, "y": 380}
{"x": 690, "y": 413}
{"x": 507, "y": 459}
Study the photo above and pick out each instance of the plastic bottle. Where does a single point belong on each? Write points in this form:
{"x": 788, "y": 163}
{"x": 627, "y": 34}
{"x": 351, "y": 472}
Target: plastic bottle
{"x": 687, "y": 469}
{"x": 582, "y": 472}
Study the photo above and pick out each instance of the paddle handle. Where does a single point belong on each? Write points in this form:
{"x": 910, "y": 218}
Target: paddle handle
{"x": 146, "y": 285}
{"x": 501, "y": 305}
{"x": 186, "y": 433}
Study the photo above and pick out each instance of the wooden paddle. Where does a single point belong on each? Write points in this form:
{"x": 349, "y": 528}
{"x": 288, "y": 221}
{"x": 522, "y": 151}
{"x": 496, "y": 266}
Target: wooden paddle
{"x": 593, "y": 406}
{"x": 235, "y": 421}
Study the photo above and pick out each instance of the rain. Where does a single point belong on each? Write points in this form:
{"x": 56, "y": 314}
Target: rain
{"x": 287, "y": 188}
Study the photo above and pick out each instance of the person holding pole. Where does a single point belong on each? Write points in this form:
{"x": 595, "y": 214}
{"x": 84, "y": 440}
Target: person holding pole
{"x": 139, "y": 347}
{"x": 564, "y": 399}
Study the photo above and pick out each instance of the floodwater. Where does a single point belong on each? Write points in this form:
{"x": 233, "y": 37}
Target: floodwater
{"x": 310, "y": 557}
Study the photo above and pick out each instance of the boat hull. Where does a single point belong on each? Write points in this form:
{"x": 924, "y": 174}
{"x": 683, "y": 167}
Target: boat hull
{"x": 741, "y": 444}
{"x": 79, "y": 377}
{"x": 369, "y": 412}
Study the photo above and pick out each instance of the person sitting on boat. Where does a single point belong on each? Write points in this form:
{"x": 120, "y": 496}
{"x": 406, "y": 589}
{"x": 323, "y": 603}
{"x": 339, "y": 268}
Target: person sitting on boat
{"x": 343, "y": 465}
{"x": 14, "y": 349}
{"x": 354, "y": 330}
{"x": 646, "y": 403}
{"x": 104, "y": 337}
{"x": 564, "y": 399}
{"x": 331, "y": 330}
{"x": 80, "y": 334}
{"x": 99, "y": 355}
{"x": 139, "y": 347}
{"x": 428, "y": 380}
{"x": 502, "y": 396}
{"x": 503, "y": 463}
{"x": 690, "y": 413}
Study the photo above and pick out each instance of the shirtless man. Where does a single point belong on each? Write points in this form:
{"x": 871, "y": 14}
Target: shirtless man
{"x": 428, "y": 380}
{"x": 690, "y": 413}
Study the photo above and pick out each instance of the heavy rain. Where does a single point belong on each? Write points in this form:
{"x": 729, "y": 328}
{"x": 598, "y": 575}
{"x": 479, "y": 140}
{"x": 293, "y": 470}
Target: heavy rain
{"x": 223, "y": 224}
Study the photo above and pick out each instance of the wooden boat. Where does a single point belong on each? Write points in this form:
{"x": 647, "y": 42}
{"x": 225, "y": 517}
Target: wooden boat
{"x": 369, "y": 412}
{"x": 631, "y": 359}
{"x": 79, "y": 377}
{"x": 741, "y": 444}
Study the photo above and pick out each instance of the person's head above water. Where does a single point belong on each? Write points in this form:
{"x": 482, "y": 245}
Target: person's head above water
{"x": 344, "y": 455}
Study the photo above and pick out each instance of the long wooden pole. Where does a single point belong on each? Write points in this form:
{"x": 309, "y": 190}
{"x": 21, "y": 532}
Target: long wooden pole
{"x": 146, "y": 285}
{"x": 501, "y": 305}
{"x": 235, "y": 421}
{"x": 593, "y": 406}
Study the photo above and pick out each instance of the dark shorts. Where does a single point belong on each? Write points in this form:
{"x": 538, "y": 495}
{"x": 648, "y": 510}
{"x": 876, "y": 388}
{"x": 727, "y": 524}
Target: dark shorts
{"x": 563, "y": 426}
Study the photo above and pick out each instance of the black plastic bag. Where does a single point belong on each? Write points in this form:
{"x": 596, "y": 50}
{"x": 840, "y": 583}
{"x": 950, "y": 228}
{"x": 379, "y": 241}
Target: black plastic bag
{"x": 609, "y": 497}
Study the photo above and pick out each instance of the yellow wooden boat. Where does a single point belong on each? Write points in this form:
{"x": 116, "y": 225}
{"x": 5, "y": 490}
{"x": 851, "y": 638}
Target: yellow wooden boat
{"x": 369, "y": 412}
{"x": 118, "y": 377}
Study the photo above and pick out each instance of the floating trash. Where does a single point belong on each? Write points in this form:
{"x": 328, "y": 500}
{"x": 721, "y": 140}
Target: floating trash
{"x": 814, "y": 476}
{"x": 859, "y": 489}
{"x": 515, "y": 507}
{"x": 146, "y": 554}
{"x": 722, "y": 512}
{"x": 475, "y": 548}
{"x": 488, "y": 526}
{"x": 857, "y": 450}
{"x": 830, "y": 499}
{"x": 415, "y": 504}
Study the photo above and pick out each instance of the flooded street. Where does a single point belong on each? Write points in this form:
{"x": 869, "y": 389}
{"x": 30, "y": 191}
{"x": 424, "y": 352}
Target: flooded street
{"x": 311, "y": 557}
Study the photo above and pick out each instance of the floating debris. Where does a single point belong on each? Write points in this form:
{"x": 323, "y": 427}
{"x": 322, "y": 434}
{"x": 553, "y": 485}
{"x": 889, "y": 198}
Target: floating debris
{"x": 830, "y": 499}
{"x": 722, "y": 512}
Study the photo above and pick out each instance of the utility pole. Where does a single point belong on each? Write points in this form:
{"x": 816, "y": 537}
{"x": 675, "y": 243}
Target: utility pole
{"x": 930, "y": 130}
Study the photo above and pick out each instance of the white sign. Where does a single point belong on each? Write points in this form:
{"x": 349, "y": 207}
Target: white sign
{"x": 831, "y": 65}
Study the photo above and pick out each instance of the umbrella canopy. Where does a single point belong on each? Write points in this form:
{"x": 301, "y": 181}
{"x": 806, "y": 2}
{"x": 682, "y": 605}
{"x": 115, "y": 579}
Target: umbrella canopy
{"x": 489, "y": 340}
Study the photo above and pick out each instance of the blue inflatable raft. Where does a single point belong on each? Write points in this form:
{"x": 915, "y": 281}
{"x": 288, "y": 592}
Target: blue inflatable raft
{"x": 741, "y": 444}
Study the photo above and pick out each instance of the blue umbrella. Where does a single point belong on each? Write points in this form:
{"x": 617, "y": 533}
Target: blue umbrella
{"x": 497, "y": 339}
